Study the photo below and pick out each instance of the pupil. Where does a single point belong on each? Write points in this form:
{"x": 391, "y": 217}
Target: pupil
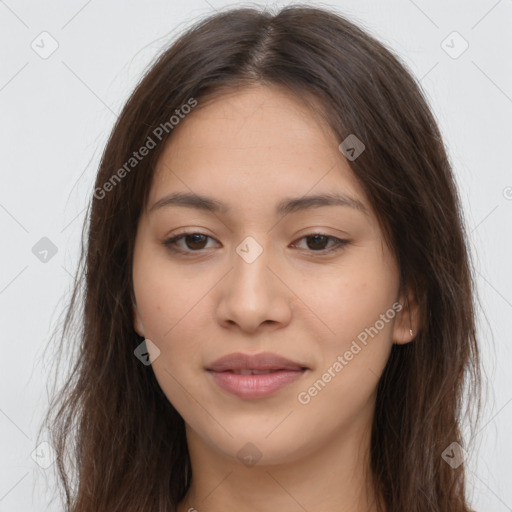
{"x": 316, "y": 239}
{"x": 195, "y": 240}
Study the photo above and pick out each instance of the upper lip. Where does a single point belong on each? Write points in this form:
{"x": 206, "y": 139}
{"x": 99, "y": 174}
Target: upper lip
{"x": 262, "y": 361}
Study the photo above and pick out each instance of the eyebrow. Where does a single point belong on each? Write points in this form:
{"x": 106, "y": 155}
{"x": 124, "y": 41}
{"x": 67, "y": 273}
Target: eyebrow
{"x": 285, "y": 207}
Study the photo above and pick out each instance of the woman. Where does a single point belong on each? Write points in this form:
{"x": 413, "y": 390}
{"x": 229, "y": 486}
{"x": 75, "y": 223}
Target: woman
{"x": 278, "y": 297}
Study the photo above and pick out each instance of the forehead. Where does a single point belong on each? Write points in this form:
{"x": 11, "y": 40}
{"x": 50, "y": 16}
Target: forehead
{"x": 254, "y": 119}
{"x": 256, "y": 144}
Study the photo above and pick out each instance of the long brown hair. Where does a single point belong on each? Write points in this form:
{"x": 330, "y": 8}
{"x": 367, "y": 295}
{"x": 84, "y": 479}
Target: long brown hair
{"x": 121, "y": 445}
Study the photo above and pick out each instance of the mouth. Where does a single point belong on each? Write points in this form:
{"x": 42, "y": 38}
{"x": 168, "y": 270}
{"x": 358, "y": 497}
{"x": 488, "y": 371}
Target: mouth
{"x": 263, "y": 362}
{"x": 254, "y": 376}
{"x": 257, "y": 372}
{"x": 248, "y": 385}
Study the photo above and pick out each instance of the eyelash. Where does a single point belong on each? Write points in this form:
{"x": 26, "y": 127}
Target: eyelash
{"x": 171, "y": 243}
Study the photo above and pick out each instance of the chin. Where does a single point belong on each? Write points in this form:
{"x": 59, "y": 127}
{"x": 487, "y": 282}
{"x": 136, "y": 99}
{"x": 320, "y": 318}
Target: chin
{"x": 257, "y": 444}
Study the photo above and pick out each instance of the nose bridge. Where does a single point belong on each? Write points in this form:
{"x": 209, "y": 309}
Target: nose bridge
{"x": 252, "y": 255}
{"x": 251, "y": 295}
{"x": 250, "y": 249}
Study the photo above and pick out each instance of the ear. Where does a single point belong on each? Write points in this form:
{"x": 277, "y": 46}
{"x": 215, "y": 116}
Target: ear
{"x": 407, "y": 319}
{"x": 137, "y": 321}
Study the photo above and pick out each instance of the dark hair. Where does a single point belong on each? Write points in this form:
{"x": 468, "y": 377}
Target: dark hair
{"x": 125, "y": 443}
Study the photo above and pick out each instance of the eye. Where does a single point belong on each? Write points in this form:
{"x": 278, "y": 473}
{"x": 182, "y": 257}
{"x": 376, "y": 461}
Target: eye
{"x": 318, "y": 241}
{"x": 193, "y": 241}
{"x": 196, "y": 242}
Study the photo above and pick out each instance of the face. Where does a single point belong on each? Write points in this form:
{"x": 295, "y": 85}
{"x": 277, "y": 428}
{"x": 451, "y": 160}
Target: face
{"x": 311, "y": 282}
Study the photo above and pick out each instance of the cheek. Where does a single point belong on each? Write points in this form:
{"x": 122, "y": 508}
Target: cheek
{"x": 173, "y": 322}
{"x": 358, "y": 308}
{"x": 165, "y": 297}
{"x": 170, "y": 311}
{"x": 173, "y": 310}
{"x": 351, "y": 299}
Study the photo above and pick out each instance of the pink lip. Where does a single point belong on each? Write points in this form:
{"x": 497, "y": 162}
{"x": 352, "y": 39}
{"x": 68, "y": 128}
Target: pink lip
{"x": 255, "y": 386}
{"x": 261, "y": 361}
{"x": 282, "y": 371}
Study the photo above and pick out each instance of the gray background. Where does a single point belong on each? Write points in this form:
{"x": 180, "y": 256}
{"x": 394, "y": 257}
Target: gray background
{"x": 57, "y": 111}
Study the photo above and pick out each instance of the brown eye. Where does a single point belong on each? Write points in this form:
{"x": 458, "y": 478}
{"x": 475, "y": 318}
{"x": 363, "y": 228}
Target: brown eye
{"x": 317, "y": 242}
{"x": 193, "y": 242}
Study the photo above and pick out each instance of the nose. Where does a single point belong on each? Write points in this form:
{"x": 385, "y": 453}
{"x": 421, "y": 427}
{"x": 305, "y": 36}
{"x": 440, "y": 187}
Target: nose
{"x": 253, "y": 295}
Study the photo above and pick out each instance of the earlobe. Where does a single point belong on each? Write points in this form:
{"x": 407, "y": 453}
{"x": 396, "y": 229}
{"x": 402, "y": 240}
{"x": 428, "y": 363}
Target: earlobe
{"x": 137, "y": 322}
{"x": 406, "y": 325}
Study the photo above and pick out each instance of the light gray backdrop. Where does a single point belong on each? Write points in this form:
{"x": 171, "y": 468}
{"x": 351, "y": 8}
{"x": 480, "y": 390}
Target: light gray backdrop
{"x": 66, "y": 70}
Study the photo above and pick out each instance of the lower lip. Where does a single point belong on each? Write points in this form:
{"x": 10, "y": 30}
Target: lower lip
{"x": 255, "y": 386}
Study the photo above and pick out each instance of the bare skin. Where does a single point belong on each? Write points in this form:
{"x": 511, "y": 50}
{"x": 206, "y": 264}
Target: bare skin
{"x": 302, "y": 298}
